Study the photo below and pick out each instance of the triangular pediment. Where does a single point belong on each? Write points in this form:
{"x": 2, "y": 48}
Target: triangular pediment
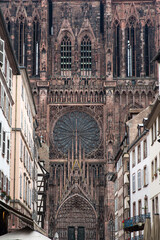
{"x": 21, "y": 11}
{"x": 66, "y": 29}
{"x": 86, "y": 28}
{"x": 116, "y": 16}
{"x": 132, "y": 12}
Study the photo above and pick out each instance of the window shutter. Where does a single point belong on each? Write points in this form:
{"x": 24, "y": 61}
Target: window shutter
{"x": 2, "y": 97}
{"x": 8, "y": 149}
{"x": 20, "y": 179}
{"x": 2, "y": 54}
{"x": 10, "y": 115}
{"x": 10, "y": 79}
{"x": 6, "y": 107}
{"x": 8, "y": 187}
{"x": 24, "y": 190}
{"x": 4, "y": 183}
{"x": 147, "y": 176}
{"x": 143, "y": 177}
{"x": 4, "y": 143}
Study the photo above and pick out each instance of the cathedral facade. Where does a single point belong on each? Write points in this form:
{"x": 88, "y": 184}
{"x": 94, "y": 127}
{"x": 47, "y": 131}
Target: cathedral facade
{"x": 90, "y": 69}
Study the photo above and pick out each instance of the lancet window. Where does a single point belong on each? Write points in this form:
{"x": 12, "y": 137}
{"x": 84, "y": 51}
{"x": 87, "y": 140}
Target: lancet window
{"x": 21, "y": 41}
{"x": 35, "y": 47}
{"x": 66, "y": 56}
{"x": 86, "y": 56}
{"x": 116, "y": 53}
{"x": 148, "y": 48}
{"x": 132, "y": 44}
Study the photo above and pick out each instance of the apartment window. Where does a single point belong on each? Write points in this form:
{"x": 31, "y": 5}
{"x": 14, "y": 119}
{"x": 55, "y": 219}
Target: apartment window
{"x": 145, "y": 205}
{"x": 86, "y": 56}
{"x": 152, "y": 170}
{"x": 154, "y": 131}
{"x": 24, "y": 154}
{"x": 0, "y": 134}
{"x": 24, "y": 188}
{"x": 128, "y": 166}
{"x": 66, "y": 56}
{"x": 139, "y": 153}
{"x": 155, "y": 173}
{"x": 139, "y": 179}
{"x": 116, "y": 224}
{"x": 2, "y": 97}
{"x": 4, "y": 107}
{"x": 116, "y": 204}
{"x": 133, "y": 158}
{"x": 133, "y": 183}
{"x": 145, "y": 176}
{"x": 10, "y": 79}
{"x": 134, "y": 209}
{"x": 139, "y": 207}
{"x": 145, "y": 149}
{"x": 4, "y": 182}
{"x": 4, "y": 143}
{"x": 8, "y": 150}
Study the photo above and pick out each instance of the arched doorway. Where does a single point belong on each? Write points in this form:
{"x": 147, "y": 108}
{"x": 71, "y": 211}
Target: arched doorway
{"x": 76, "y": 219}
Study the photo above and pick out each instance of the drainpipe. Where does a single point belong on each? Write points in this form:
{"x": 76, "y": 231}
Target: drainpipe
{"x": 15, "y": 137}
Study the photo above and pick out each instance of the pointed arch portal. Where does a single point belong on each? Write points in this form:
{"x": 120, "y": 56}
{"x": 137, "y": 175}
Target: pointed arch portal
{"x": 76, "y": 219}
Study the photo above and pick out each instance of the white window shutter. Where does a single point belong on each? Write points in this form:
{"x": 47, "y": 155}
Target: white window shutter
{"x": 2, "y": 97}
{"x": 147, "y": 176}
{"x": 4, "y": 183}
{"x": 142, "y": 177}
{"x": 10, "y": 79}
{"x": 2, "y": 54}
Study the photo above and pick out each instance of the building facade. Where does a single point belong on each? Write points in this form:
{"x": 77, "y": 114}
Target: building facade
{"x": 8, "y": 69}
{"x": 89, "y": 62}
{"x": 24, "y": 161}
{"x": 153, "y": 125}
{"x": 122, "y": 190}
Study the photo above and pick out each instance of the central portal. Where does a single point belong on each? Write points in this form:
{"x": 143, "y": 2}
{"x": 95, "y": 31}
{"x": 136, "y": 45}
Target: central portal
{"x": 76, "y": 234}
{"x": 76, "y": 219}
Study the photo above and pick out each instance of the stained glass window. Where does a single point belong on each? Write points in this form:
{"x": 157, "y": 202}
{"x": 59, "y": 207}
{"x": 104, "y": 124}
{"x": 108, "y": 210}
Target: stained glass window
{"x": 76, "y": 133}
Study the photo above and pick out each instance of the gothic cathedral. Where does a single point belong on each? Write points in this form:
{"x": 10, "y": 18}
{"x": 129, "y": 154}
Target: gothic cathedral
{"x": 89, "y": 63}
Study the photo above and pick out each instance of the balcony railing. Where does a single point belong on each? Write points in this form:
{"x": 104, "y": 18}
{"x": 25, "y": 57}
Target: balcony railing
{"x": 137, "y": 238}
{"x": 135, "y": 223}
